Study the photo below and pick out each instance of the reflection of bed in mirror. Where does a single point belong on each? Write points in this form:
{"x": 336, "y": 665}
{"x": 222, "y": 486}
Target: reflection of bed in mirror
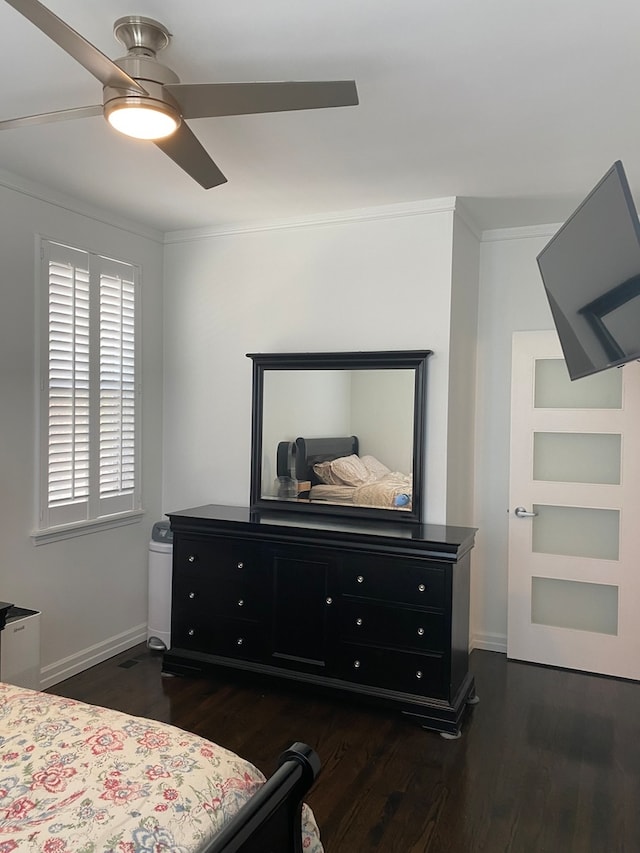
{"x": 334, "y": 471}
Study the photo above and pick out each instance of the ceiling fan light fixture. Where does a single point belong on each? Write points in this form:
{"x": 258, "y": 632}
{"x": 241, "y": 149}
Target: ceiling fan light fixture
{"x": 134, "y": 117}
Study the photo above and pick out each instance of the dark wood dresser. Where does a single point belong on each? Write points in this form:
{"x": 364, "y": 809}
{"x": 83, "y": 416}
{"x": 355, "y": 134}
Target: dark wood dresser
{"x": 378, "y": 610}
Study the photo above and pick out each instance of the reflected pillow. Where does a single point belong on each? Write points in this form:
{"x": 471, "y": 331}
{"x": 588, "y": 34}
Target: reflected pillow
{"x": 375, "y": 467}
{"x": 350, "y": 470}
{"x": 323, "y": 472}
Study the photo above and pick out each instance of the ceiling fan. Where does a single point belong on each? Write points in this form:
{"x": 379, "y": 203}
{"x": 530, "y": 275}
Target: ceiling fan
{"x": 145, "y": 99}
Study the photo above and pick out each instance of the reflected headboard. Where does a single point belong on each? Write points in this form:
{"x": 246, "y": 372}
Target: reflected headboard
{"x": 297, "y": 458}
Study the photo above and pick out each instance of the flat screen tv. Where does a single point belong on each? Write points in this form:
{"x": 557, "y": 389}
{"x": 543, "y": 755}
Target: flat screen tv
{"x": 591, "y": 274}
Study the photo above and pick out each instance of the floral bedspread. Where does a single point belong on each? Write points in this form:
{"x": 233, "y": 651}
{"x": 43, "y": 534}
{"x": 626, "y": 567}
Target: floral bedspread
{"x": 76, "y": 778}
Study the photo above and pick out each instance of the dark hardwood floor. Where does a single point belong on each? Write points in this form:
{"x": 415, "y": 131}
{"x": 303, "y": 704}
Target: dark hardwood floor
{"x": 549, "y": 760}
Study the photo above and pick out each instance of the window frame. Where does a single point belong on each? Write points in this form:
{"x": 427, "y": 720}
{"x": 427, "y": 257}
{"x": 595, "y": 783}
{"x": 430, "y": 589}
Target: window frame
{"x": 93, "y": 512}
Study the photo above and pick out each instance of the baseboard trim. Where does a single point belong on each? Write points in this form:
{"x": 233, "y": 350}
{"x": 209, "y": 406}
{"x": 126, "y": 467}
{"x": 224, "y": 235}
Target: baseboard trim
{"x": 53, "y": 673}
{"x": 489, "y": 642}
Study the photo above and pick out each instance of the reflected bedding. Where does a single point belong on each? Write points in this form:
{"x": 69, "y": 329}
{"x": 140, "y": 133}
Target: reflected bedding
{"x": 361, "y": 480}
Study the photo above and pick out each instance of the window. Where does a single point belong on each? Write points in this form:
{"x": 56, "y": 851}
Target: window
{"x": 89, "y": 466}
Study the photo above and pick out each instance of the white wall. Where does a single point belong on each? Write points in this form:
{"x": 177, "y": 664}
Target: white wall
{"x": 91, "y": 589}
{"x": 462, "y": 374}
{"x": 511, "y": 299}
{"x": 376, "y": 281}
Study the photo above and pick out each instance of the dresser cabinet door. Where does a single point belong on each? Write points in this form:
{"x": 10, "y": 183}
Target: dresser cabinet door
{"x": 301, "y": 605}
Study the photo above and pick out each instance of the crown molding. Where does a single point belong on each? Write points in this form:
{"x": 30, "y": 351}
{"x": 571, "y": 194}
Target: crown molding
{"x": 48, "y": 195}
{"x": 520, "y": 233}
{"x": 367, "y": 214}
{"x": 464, "y": 215}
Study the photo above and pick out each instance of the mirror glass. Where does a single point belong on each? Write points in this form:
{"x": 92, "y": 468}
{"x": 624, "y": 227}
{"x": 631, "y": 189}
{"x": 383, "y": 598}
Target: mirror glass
{"x": 339, "y": 432}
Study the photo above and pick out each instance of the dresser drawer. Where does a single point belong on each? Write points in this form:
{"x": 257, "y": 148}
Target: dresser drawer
{"x": 407, "y": 672}
{"x": 214, "y": 596}
{"x": 229, "y": 558}
{"x": 402, "y": 580}
{"x": 225, "y": 637}
{"x": 364, "y": 621}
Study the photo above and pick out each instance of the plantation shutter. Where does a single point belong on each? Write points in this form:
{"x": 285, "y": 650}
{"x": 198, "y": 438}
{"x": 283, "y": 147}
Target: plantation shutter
{"x": 68, "y": 385}
{"x": 117, "y": 452}
{"x": 89, "y": 432}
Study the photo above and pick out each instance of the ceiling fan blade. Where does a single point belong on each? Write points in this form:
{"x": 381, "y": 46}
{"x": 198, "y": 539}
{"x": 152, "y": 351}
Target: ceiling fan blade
{"x": 107, "y": 72}
{"x": 204, "y": 100}
{"x": 185, "y": 150}
{"x": 48, "y": 118}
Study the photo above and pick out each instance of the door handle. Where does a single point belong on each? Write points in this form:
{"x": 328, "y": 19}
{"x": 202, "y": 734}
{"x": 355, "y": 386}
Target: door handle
{"x": 521, "y": 512}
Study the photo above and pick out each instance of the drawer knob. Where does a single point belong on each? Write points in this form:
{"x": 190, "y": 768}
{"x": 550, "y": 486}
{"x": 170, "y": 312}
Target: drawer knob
{"x": 421, "y": 632}
{"x": 191, "y": 632}
{"x": 191, "y": 558}
{"x": 192, "y": 595}
{"x": 356, "y": 664}
{"x": 360, "y": 579}
{"x": 241, "y": 565}
{"x": 358, "y": 622}
{"x": 239, "y": 641}
{"x": 329, "y": 600}
{"x": 421, "y": 587}
{"x": 418, "y": 674}
{"x": 241, "y": 602}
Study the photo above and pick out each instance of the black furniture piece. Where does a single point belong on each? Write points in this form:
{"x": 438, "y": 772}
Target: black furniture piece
{"x": 5, "y": 607}
{"x": 368, "y": 609}
{"x": 271, "y": 820}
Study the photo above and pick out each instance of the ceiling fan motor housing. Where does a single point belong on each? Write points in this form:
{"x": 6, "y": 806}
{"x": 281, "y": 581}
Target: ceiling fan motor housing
{"x": 152, "y": 76}
{"x": 143, "y": 37}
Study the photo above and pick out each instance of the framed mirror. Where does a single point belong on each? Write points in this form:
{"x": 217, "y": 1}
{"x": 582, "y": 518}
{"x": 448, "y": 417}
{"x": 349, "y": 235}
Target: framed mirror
{"x": 340, "y": 433}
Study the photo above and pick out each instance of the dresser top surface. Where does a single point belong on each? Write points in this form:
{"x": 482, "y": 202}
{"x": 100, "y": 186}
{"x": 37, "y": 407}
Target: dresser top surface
{"x": 229, "y": 517}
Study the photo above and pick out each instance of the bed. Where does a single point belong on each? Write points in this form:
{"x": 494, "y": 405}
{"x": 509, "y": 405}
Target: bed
{"x": 338, "y": 474}
{"x": 78, "y": 778}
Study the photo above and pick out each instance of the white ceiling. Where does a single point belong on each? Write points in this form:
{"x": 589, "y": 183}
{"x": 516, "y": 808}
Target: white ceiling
{"x": 518, "y": 105}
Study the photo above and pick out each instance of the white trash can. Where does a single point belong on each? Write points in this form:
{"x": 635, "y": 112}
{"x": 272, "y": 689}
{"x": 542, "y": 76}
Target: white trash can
{"x": 160, "y": 574}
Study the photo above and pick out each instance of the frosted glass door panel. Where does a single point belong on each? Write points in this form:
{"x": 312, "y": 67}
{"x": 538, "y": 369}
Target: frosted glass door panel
{"x": 573, "y": 531}
{"x": 554, "y": 389}
{"x": 573, "y": 604}
{"x": 569, "y": 457}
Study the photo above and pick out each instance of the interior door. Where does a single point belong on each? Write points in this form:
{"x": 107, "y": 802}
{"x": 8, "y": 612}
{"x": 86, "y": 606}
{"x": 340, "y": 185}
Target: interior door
{"x": 574, "y": 558}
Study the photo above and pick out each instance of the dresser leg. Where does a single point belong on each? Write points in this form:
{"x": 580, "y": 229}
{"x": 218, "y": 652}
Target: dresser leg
{"x": 451, "y": 735}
